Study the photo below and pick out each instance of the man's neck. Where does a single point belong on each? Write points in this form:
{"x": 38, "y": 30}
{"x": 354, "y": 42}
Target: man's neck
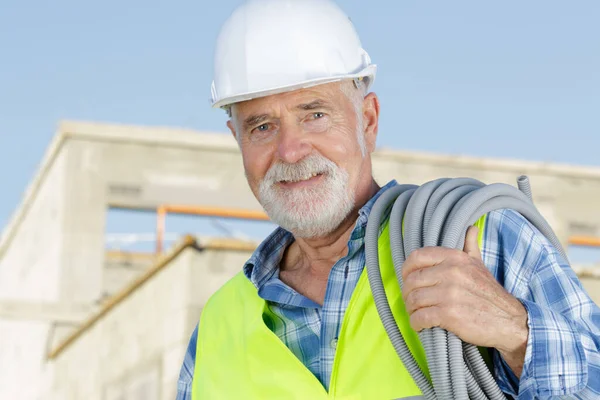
{"x": 318, "y": 255}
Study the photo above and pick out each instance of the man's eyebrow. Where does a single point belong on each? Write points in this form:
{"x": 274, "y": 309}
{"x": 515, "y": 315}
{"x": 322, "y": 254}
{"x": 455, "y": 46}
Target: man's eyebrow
{"x": 255, "y": 119}
{"x": 313, "y": 105}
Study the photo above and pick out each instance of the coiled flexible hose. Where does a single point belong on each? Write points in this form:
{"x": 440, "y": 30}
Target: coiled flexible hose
{"x": 438, "y": 213}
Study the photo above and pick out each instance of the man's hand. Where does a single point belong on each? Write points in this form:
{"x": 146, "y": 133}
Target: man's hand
{"x": 455, "y": 291}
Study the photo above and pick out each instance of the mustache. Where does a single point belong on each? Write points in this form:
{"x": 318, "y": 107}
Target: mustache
{"x": 303, "y": 169}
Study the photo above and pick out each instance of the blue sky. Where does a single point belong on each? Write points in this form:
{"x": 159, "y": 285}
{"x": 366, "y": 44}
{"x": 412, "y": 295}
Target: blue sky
{"x": 516, "y": 79}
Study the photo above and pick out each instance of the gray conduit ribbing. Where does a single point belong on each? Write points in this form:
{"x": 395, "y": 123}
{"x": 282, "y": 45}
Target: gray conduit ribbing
{"x": 438, "y": 213}
{"x": 524, "y": 186}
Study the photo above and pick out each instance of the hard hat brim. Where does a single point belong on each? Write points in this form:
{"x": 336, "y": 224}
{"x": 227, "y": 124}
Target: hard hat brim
{"x": 368, "y": 71}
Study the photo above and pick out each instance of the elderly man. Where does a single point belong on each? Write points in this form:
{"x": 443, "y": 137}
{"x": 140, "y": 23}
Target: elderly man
{"x": 289, "y": 324}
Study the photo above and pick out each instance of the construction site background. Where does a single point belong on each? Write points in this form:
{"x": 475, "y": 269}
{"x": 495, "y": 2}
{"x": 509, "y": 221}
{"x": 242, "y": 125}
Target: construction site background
{"x": 81, "y": 320}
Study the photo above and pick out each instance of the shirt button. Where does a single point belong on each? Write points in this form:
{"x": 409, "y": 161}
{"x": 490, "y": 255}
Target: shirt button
{"x": 333, "y": 343}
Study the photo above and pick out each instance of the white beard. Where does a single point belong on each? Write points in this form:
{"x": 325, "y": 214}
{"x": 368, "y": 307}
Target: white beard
{"x": 310, "y": 212}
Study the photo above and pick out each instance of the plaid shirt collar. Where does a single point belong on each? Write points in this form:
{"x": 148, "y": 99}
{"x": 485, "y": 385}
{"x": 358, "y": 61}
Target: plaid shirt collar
{"x": 264, "y": 262}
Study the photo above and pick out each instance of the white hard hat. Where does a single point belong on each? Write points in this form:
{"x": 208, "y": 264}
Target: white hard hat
{"x": 275, "y": 46}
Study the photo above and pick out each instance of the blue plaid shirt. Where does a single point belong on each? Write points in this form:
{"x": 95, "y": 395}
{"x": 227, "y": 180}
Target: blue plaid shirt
{"x": 562, "y": 355}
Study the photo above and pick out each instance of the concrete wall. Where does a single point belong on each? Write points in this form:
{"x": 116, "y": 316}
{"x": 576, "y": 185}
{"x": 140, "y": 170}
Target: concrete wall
{"x": 135, "y": 351}
{"x": 108, "y": 171}
{"x": 121, "y": 268}
{"x": 83, "y": 233}
{"x": 29, "y": 271}
{"x": 592, "y": 287}
{"x": 35, "y": 252}
{"x": 53, "y": 249}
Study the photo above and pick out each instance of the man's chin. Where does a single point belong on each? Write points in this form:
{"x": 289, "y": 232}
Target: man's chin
{"x": 305, "y": 209}
{"x": 309, "y": 222}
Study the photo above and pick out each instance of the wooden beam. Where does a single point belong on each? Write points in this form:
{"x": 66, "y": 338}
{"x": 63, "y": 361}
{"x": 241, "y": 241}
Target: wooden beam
{"x": 116, "y": 299}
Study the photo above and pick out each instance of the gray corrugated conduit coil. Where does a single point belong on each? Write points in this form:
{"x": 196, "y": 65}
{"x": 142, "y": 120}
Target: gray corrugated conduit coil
{"x": 438, "y": 213}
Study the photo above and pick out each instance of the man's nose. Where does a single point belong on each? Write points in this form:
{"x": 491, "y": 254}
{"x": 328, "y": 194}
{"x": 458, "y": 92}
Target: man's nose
{"x": 293, "y": 143}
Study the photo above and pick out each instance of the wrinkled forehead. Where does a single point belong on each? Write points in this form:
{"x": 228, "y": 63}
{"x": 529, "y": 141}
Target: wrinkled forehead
{"x": 324, "y": 94}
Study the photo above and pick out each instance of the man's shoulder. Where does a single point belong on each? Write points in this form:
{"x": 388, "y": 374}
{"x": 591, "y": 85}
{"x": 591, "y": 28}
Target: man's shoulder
{"x": 235, "y": 289}
{"x": 513, "y": 245}
{"x": 232, "y": 304}
{"x": 510, "y": 227}
{"x": 507, "y": 218}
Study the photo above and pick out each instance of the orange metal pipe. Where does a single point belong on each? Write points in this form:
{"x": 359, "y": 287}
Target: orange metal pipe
{"x": 217, "y": 212}
{"x": 589, "y": 241}
{"x": 162, "y": 211}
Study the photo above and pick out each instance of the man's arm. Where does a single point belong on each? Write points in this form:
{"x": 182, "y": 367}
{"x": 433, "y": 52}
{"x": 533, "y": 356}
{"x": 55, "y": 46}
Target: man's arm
{"x": 562, "y": 355}
{"x": 186, "y": 374}
{"x": 516, "y": 296}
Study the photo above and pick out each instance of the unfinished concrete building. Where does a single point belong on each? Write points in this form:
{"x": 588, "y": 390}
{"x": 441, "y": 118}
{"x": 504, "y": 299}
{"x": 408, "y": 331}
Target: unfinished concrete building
{"x": 79, "y": 322}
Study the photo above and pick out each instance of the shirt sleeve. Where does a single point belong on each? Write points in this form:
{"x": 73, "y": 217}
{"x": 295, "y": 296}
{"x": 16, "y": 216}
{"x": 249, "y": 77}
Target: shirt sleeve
{"x": 562, "y": 356}
{"x": 186, "y": 374}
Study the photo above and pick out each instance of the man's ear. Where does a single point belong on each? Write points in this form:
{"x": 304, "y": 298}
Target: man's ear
{"x": 231, "y": 127}
{"x": 371, "y": 120}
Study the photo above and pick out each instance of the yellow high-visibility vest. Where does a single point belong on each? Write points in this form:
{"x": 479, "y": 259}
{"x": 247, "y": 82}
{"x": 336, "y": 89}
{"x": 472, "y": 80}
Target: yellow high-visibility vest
{"x": 239, "y": 357}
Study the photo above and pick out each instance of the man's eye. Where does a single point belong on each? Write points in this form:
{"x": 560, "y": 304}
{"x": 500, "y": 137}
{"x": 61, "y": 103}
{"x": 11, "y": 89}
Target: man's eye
{"x": 263, "y": 127}
{"x": 318, "y": 115}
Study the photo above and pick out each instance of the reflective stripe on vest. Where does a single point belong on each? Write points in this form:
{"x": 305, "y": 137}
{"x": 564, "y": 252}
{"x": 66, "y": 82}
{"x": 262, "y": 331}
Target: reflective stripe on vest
{"x": 237, "y": 356}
